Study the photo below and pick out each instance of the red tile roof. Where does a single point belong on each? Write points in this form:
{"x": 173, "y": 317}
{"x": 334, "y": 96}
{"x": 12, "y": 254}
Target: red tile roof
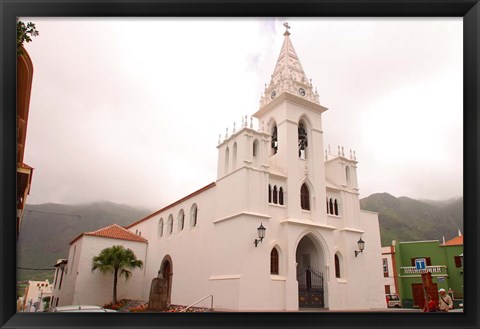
{"x": 173, "y": 204}
{"x": 457, "y": 241}
{"x": 113, "y": 232}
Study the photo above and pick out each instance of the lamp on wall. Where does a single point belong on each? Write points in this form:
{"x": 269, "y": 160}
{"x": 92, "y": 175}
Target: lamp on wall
{"x": 361, "y": 246}
{"x": 261, "y": 234}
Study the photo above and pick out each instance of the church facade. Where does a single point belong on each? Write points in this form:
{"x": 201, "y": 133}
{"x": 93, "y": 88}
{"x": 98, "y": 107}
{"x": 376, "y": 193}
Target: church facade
{"x": 279, "y": 178}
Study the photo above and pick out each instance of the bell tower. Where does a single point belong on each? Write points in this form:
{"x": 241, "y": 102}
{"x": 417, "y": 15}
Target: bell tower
{"x": 291, "y": 114}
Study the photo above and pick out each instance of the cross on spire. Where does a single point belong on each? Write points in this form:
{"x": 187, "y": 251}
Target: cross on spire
{"x": 287, "y": 27}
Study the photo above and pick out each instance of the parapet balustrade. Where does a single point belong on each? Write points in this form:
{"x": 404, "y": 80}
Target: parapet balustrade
{"x": 412, "y": 270}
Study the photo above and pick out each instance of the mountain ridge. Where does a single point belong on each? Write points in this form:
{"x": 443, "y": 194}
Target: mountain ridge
{"x": 48, "y": 229}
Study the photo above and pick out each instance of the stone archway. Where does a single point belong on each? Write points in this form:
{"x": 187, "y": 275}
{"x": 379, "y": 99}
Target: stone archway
{"x": 310, "y": 264}
{"x": 161, "y": 287}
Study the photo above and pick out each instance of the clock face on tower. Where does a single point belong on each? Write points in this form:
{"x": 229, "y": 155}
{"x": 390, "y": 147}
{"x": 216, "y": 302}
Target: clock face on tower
{"x": 273, "y": 94}
{"x": 301, "y": 91}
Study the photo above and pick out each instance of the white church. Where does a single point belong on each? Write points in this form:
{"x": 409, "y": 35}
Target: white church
{"x": 280, "y": 229}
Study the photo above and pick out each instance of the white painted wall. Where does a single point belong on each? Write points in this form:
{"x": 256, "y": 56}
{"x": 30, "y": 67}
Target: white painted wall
{"x": 82, "y": 286}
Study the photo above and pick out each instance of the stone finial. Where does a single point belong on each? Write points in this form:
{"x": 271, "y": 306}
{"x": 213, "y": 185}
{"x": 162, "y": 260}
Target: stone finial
{"x": 339, "y": 150}
{"x": 219, "y": 138}
{"x": 354, "y": 156}
{"x": 351, "y": 155}
{"x": 234, "y": 128}
{"x": 246, "y": 121}
{"x": 287, "y": 27}
{"x": 226, "y": 134}
{"x": 343, "y": 154}
{"x": 251, "y": 122}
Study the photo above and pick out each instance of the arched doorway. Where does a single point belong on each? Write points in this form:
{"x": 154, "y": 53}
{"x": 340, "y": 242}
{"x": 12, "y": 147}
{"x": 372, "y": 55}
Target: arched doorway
{"x": 310, "y": 265}
{"x": 166, "y": 273}
{"x": 161, "y": 287}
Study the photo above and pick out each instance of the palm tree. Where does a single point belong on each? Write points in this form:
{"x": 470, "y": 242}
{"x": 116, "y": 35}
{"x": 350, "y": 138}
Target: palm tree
{"x": 116, "y": 259}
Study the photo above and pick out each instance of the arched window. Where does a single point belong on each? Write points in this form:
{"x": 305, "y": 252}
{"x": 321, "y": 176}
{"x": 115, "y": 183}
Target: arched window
{"x": 274, "y": 261}
{"x": 181, "y": 220}
{"x": 274, "y": 143}
{"x": 193, "y": 215}
{"x": 227, "y": 156}
{"x": 331, "y": 207}
{"x": 335, "y": 205}
{"x": 234, "y": 156}
{"x": 160, "y": 228}
{"x": 305, "y": 197}
{"x": 255, "y": 148}
{"x": 275, "y": 194}
{"x": 280, "y": 196}
{"x": 328, "y": 209}
{"x": 269, "y": 193}
{"x": 170, "y": 224}
{"x": 302, "y": 140}
{"x": 337, "y": 266}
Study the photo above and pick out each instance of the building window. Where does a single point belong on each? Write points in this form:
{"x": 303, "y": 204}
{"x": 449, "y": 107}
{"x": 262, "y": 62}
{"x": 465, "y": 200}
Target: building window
{"x": 331, "y": 206}
{"x": 160, "y": 228}
{"x": 170, "y": 224}
{"x": 458, "y": 261}
{"x": 274, "y": 261}
{"x": 385, "y": 267}
{"x": 335, "y": 207}
{"x": 337, "y": 266}
{"x": 234, "y": 156}
{"x": 280, "y": 196}
{"x": 181, "y": 220}
{"x": 193, "y": 215}
{"x": 302, "y": 141}
{"x": 347, "y": 174}
{"x": 274, "y": 140}
{"x": 269, "y": 193}
{"x": 387, "y": 289}
{"x": 275, "y": 196}
{"x": 255, "y": 148}
{"x": 227, "y": 155}
{"x": 304, "y": 197}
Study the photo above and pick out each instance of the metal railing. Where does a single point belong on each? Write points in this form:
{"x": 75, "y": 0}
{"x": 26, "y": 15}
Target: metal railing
{"x": 198, "y": 301}
{"x": 409, "y": 270}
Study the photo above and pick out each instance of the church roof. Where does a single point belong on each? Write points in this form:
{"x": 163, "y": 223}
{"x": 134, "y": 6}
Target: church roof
{"x": 209, "y": 186}
{"x": 288, "y": 75}
{"x": 113, "y": 232}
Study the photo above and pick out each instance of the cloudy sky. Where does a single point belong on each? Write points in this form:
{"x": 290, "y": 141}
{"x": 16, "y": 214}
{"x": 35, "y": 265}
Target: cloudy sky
{"x": 130, "y": 110}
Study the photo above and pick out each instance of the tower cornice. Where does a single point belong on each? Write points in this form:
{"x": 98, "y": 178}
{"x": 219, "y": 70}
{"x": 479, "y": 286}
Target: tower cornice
{"x": 290, "y": 98}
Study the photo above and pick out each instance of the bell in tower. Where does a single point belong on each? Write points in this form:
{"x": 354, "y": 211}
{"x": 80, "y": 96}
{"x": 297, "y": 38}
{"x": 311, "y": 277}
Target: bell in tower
{"x": 302, "y": 140}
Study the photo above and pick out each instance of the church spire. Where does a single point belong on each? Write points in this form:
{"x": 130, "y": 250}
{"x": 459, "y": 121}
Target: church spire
{"x": 288, "y": 75}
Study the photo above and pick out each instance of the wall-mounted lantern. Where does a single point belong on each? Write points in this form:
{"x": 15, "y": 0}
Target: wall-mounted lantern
{"x": 361, "y": 246}
{"x": 261, "y": 234}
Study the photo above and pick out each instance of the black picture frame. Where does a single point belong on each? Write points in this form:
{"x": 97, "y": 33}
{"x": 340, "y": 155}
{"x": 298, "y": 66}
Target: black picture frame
{"x": 468, "y": 9}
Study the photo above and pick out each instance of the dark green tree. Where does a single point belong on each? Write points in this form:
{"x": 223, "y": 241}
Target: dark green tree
{"x": 24, "y": 33}
{"x": 117, "y": 260}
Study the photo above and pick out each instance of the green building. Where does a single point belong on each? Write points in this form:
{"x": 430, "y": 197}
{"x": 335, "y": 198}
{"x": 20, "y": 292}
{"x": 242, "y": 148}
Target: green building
{"x": 443, "y": 260}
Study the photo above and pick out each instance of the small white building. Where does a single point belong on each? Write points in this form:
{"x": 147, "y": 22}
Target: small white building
{"x": 279, "y": 177}
{"x": 35, "y": 292}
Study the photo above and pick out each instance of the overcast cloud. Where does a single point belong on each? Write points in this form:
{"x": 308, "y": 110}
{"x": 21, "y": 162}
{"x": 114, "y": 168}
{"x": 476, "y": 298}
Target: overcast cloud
{"x": 130, "y": 110}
